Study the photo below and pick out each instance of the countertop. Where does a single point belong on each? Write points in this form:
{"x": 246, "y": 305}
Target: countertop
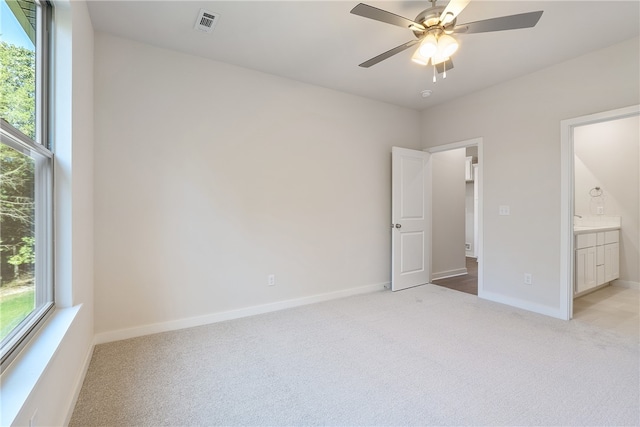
{"x": 594, "y": 229}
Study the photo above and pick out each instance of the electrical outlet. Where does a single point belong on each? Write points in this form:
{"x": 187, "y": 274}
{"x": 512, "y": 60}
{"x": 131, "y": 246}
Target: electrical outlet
{"x": 600, "y": 210}
{"x": 504, "y": 210}
{"x": 528, "y": 279}
{"x": 271, "y": 280}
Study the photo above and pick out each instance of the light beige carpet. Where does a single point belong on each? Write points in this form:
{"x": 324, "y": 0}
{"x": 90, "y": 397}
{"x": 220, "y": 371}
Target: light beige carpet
{"x": 423, "y": 356}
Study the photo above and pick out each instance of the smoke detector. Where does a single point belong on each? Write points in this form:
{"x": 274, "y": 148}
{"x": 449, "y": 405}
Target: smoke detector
{"x": 206, "y": 21}
{"x": 426, "y": 93}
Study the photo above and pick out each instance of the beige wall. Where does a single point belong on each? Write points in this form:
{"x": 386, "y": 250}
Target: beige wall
{"x": 210, "y": 177}
{"x": 519, "y": 122}
{"x": 607, "y": 156}
{"x": 448, "y": 211}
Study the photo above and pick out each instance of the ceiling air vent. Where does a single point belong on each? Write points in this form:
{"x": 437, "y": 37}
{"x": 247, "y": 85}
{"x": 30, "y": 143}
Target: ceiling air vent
{"x": 206, "y": 21}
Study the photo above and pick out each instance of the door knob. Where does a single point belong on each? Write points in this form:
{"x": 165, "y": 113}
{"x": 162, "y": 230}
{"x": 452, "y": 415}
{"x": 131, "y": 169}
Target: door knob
{"x": 398, "y": 225}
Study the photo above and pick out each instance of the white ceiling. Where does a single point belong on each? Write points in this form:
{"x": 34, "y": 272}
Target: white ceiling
{"x": 321, "y": 43}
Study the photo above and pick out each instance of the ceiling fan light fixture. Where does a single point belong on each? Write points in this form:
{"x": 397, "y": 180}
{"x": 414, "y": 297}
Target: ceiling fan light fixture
{"x": 419, "y": 59}
{"x": 447, "y": 46}
{"x": 428, "y": 46}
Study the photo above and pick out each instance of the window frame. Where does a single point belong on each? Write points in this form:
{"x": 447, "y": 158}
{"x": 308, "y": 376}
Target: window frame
{"x": 40, "y": 150}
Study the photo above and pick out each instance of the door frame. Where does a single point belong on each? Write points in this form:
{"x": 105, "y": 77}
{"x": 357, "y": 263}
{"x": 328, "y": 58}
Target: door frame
{"x": 567, "y": 175}
{"x": 477, "y": 142}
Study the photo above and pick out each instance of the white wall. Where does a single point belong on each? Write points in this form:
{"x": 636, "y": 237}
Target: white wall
{"x": 448, "y": 210}
{"x": 210, "y": 177}
{"x": 519, "y": 121}
{"x": 607, "y": 156}
{"x": 51, "y": 400}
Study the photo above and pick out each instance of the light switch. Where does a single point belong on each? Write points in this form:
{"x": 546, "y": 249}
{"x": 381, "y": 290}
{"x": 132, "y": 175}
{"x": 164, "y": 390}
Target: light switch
{"x": 504, "y": 210}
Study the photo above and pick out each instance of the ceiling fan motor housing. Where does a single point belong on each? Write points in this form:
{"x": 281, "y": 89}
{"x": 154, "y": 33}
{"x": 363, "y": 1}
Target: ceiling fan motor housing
{"x": 430, "y": 19}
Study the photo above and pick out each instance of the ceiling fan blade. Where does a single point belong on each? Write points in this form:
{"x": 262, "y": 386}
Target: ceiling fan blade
{"x": 453, "y": 9}
{"x": 388, "y": 54}
{"x": 383, "y": 16}
{"x": 510, "y": 22}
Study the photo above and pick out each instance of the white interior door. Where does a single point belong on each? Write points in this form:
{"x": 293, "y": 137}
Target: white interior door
{"x": 410, "y": 217}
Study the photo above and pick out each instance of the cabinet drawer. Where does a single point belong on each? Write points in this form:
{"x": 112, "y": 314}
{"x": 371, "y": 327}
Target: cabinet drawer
{"x": 611, "y": 237}
{"x": 585, "y": 240}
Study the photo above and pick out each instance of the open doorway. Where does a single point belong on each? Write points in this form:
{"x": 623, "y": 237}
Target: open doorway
{"x": 456, "y": 227}
{"x": 601, "y": 193}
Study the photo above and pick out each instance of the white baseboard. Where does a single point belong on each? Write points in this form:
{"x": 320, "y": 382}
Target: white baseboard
{"x": 449, "y": 273}
{"x": 78, "y": 385}
{"x": 626, "y": 284}
{"x": 525, "y": 305}
{"x": 190, "y": 322}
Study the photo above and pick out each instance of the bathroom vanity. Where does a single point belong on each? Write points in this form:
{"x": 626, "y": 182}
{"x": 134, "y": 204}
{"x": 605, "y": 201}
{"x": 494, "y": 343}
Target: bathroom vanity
{"x": 597, "y": 256}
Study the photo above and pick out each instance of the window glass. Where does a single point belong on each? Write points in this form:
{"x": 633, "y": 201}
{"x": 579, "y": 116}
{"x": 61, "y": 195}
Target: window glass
{"x": 17, "y": 283}
{"x": 18, "y": 65}
{"x": 26, "y": 271}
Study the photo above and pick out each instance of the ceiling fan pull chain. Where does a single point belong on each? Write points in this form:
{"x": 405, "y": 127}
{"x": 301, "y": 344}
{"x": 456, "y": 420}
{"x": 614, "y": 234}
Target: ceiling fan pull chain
{"x": 434, "y": 73}
{"x": 444, "y": 73}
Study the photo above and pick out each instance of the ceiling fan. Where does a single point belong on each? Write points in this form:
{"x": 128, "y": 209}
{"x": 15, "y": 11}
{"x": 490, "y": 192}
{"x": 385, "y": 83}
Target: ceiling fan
{"x": 434, "y": 27}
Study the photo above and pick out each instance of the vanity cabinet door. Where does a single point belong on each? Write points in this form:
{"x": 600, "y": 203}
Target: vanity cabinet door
{"x": 611, "y": 261}
{"x": 585, "y": 269}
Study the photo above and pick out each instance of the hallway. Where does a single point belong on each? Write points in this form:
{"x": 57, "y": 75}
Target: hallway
{"x": 466, "y": 283}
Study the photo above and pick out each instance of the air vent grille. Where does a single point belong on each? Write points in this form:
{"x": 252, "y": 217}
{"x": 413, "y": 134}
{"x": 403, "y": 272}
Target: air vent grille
{"x": 206, "y": 21}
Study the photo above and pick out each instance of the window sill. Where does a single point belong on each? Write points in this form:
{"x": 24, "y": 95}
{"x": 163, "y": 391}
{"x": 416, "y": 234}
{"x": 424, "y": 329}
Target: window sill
{"x": 21, "y": 377}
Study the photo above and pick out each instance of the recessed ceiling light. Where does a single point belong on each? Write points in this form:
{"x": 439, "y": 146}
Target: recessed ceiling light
{"x": 426, "y": 93}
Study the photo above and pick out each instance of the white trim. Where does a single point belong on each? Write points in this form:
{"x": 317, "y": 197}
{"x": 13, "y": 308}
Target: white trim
{"x": 566, "y": 197}
{"x": 455, "y": 145}
{"x": 449, "y": 273}
{"x": 626, "y": 284}
{"x": 207, "y": 319}
{"x": 78, "y": 385}
{"x": 478, "y": 142}
{"x": 525, "y": 305}
{"x": 22, "y": 375}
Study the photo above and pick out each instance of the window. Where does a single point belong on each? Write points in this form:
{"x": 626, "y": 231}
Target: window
{"x": 26, "y": 174}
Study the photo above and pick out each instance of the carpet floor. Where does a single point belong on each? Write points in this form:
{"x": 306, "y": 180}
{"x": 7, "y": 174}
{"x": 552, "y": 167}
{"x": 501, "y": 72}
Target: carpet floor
{"x": 423, "y": 356}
